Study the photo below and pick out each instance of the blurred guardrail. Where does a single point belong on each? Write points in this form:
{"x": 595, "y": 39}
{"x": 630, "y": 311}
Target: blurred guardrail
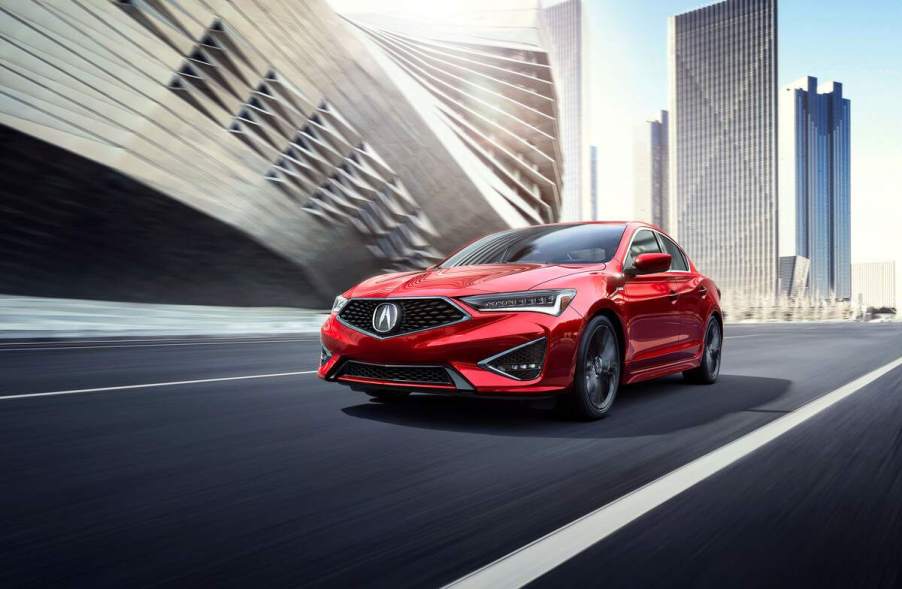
{"x": 35, "y": 317}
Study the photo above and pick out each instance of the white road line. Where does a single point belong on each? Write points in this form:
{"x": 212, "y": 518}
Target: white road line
{"x": 227, "y": 343}
{"x": 153, "y": 384}
{"x": 750, "y": 335}
{"x": 537, "y": 558}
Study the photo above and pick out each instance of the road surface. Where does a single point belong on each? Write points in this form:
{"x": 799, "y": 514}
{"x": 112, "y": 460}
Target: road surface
{"x": 210, "y": 478}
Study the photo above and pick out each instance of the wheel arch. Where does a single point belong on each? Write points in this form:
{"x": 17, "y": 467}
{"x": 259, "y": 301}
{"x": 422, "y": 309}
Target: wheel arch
{"x": 619, "y": 330}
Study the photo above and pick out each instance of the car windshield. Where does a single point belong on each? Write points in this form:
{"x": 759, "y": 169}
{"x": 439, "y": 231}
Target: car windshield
{"x": 545, "y": 244}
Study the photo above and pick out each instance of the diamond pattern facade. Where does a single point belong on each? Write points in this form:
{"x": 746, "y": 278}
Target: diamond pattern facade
{"x": 723, "y": 67}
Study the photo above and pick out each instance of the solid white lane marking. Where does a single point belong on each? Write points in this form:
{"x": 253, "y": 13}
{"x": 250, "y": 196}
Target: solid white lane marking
{"x": 154, "y": 384}
{"x": 201, "y": 343}
{"x": 537, "y": 558}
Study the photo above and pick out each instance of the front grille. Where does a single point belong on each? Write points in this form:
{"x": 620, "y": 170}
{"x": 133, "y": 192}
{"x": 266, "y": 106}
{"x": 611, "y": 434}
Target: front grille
{"x": 416, "y": 314}
{"x": 522, "y": 363}
{"x": 405, "y": 374}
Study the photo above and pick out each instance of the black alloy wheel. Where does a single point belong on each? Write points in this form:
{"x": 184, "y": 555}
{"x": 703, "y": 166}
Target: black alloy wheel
{"x": 598, "y": 368}
{"x": 709, "y": 368}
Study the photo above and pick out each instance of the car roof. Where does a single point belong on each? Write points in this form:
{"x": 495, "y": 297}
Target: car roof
{"x": 627, "y": 223}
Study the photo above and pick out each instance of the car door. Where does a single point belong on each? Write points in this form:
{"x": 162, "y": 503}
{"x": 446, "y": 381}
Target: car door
{"x": 652, "y": 322}
{"x": 685, "y": 296}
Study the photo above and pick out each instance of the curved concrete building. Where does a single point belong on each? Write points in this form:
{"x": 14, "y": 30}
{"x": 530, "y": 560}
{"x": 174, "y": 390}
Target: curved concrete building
{"x": 257, "y": 152}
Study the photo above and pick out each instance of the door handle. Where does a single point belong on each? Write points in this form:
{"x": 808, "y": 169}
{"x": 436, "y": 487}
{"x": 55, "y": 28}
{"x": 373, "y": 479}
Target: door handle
{"x": 674, "y": 295}
{"x": 702, "y": 291}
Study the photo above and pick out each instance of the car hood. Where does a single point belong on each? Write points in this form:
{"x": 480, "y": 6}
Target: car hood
{"x": 465, "y": 280}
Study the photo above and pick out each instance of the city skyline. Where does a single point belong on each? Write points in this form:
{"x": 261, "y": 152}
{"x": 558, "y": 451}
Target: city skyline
{"x": 868, "y": 65}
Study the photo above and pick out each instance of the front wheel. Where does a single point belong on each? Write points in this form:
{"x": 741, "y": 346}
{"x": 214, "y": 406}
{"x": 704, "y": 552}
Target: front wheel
{"x": 707, "y": 371}
{"x": 597, "y": 375}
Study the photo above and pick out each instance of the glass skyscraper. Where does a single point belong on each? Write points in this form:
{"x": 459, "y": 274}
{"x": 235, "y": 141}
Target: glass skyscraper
{"x": 815, "y": 186}
{"x": 723, "y": 138}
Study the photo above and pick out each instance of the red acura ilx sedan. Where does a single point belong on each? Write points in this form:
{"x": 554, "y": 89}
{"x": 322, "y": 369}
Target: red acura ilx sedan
{"x": 570, "y": 310}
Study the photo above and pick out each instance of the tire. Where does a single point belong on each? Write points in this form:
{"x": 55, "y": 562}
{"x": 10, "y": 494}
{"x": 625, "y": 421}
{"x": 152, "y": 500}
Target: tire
{"x": 709, "y": 368}
{"x": 597, "y": 376}
{"x": 388, "y": 396}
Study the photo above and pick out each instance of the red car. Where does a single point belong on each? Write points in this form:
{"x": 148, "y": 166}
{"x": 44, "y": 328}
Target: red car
{"x": 570, "y": 310}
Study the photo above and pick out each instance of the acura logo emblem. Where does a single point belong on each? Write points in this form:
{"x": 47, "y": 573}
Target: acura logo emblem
{"x": 385, "y": 317}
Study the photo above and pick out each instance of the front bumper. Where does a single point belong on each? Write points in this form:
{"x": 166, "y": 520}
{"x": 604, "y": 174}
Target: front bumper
{"x": 459, "y": 348}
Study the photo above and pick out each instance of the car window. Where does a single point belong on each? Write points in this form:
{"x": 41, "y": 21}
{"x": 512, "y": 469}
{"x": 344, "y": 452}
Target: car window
{"x": 590, "y": 243}
{"x": 677, "y": 261}
{"x": 644, "y": 242}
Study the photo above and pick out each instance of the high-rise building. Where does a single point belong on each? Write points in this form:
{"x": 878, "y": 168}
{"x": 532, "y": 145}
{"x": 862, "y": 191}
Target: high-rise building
{"x": 229, "y": 153}
{"x": 815, "y": 185}
{"x": 793, "y": 276}
{"x": 566, "y": 27}
{"x": 650, "y": 160}
{"x": 874, "y": 284}
{"x": 723, "y": 141}
{"x": 593, "y": 178}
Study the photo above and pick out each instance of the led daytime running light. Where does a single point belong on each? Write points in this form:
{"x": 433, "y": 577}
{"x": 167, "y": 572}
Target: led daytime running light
{"x": 550, "y": 302}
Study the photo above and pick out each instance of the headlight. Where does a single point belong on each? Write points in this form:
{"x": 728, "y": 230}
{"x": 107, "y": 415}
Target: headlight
{"x": 550, "y": 302}
{"x": 339, "y": 304}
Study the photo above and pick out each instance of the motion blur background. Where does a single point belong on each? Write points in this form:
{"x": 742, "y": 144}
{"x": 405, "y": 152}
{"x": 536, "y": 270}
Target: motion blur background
{"x": 221, "y": 165}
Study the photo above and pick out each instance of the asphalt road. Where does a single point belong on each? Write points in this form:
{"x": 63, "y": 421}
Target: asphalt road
{"x": 286, "y": 481}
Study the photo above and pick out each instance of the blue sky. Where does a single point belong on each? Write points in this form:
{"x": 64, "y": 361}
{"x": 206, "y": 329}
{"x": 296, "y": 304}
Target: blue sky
{"x": 856, "y": 43}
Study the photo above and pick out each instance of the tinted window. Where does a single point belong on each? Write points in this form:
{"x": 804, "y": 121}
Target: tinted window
{"x": 678, "y": 262}
{"x": 644, "y": 242}
{"x": 547, "y": 244}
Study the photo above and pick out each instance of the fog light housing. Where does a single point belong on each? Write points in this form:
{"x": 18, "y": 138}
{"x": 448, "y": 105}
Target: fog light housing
{"x": 523, "y": 362}
{"x": 324, "y": 355}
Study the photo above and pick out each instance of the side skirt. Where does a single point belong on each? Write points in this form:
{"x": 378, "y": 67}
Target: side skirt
{"x": 632, "y": 376}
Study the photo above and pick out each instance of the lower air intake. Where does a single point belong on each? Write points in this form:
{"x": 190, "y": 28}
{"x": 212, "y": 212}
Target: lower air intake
{"x": 523, "y": 362}
{"x": 399, "y": 374}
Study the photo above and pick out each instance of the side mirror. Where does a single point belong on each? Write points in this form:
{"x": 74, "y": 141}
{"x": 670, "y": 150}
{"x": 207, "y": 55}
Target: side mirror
{"x": 650, "y": 264}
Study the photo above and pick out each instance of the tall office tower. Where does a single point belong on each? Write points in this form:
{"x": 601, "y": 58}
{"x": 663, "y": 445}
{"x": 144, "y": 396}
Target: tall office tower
{"x": 874, "y": 284}
{"x": 815, "y": 186}
{"x": 723, "y": 137}
{"x": 650, "y": 157}
{"x": 566, "y": 29}
{"x": 593, "y": 178}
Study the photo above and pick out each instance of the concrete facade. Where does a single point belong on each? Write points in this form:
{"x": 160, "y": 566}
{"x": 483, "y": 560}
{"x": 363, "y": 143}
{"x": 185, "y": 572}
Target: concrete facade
{"x": 274, "y": 120}
{"x": 793, "y": 276}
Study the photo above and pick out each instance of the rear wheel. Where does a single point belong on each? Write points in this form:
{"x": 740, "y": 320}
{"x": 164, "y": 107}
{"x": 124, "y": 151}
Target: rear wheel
{"x": 709, "y": 369}
{"x": 388, "y": 396}
{"x": 597, "y": 376}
